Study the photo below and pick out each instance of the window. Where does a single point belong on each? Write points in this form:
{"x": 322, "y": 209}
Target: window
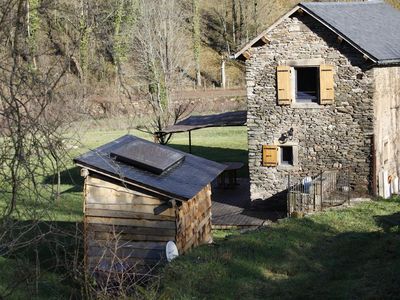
{"x": 306, "y": 84}
{"x": 286, "y": 155}
{"x": 280, "y": 156}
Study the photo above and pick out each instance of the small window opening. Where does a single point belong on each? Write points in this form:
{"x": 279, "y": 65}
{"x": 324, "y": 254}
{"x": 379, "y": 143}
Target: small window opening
{"x": 307, "y": 84}
{"x": 287, "y": 155}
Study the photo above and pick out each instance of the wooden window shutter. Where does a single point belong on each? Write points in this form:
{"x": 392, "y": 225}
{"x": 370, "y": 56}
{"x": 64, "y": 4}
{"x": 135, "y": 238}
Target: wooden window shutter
{"x": 284, "y": 85}
{"x": 326, "y": 84}
{"x": 270, "y": 155}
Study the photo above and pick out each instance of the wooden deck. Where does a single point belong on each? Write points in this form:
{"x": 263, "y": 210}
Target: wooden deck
{"x": 232, "y": 208}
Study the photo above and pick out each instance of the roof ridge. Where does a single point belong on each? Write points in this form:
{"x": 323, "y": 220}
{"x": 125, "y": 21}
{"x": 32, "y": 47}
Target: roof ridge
{"x": 344, "y": 3}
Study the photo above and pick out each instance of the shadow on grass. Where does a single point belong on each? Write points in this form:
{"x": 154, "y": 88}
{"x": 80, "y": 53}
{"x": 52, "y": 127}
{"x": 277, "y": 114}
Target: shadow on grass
{"x": 219, "y": 155}
{"x": 298, "y": 259}
{"x": 69, "y": 176}
{"x": 54, "y": 248}
{"x": 53, "y": 241}
{"x": 390, "y": 223}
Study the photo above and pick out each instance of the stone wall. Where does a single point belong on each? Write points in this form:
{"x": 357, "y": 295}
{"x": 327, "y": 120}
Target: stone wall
{"x": 326, "y": 137}
{"x": 387, "y": 121}
{"x": 199, "y": 101}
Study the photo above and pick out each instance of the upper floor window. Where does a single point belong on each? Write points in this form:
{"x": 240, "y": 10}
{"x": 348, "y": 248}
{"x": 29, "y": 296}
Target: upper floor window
{"x": 305, "y": 84}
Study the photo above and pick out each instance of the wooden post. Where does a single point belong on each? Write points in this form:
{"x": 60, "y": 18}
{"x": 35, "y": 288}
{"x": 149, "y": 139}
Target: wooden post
{"x": 348, "y": 185}
{"x": 156, "y": 138}
{"x": 190, "y": 142}
{"x": 289, "y": 196}
{"x": 223, "y": 78}
{"x": 320, "y": 188}
{"x": 313, "y": 183}
{"x": 373, "y": 162}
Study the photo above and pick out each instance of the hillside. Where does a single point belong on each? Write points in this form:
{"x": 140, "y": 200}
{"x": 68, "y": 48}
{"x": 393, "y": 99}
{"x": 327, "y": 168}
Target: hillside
{"x": 117, "y": 62}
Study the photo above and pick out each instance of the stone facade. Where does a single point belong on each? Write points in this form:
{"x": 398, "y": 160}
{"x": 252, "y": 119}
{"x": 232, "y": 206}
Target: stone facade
{"x": 325, "y": 136}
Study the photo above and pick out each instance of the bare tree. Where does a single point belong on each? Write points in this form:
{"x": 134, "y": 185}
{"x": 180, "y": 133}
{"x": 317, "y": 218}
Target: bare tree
{"x": 162, "y": 51}
{"x": 196, "y": 24}
{"x": 38, "y": 101}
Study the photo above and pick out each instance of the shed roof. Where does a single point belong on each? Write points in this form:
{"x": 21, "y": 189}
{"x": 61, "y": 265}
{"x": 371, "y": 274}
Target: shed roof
{"x": 182, "y": 181}
{"x": 371, "y": 27}
{"x": 232, "y": 118}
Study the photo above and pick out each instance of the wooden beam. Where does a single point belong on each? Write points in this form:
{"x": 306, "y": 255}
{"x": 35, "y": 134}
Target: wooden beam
{"x": 131, "y": 222}
{"x": 190, "y": 142}
{"x": 104, "y": 232}
{"x": 84, "y": 172}
{"x": 265, "y": 40}
{"x": 246, "y": 55}
{"x": 125, "y": 214}
{"x": 339, "y": 39}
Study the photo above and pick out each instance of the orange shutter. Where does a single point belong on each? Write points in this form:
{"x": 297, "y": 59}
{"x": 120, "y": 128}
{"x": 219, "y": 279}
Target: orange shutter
{"x": 270, "y": 156}
{"x": 284, "y": 85}
{"x": 326, "y": 84}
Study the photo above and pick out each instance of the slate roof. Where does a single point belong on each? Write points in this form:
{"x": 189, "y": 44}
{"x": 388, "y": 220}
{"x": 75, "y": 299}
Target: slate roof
{"x": 182, "y": 181}
{"x": 372, "y": 27}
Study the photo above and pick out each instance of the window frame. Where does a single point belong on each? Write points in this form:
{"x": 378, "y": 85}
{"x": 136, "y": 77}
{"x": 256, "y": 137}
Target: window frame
{"x": 321, "y": 64}
{"x": 295, "y": 156}
{"x": 294, "y": 71}
{"x": 281, "y": 161}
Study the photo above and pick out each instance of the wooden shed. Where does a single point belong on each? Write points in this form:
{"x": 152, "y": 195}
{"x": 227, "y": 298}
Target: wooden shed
{"x": 139, "y": 195}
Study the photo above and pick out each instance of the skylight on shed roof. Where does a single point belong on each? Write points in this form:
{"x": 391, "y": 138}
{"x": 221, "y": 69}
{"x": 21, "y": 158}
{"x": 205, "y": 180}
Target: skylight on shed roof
{"x": 148, "y": 156}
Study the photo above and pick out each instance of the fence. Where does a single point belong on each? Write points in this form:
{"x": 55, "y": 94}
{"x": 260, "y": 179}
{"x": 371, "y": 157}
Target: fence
{"x": 314, "y": 193}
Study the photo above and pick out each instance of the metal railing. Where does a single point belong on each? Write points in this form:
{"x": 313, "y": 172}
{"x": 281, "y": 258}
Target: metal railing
{"x": 314, "y": 193}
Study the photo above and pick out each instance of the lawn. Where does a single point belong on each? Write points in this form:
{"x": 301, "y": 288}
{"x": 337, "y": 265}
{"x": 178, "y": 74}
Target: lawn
{"x": 345, "y": 254}
{"x": 61, "y": 241}
{"x": 219, "y": 144}
{"x": 350, "y": 253}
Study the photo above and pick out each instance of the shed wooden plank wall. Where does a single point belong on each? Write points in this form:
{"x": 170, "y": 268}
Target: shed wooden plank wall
{"x": 193, "y": 221}
{"x": 121, "y": 225}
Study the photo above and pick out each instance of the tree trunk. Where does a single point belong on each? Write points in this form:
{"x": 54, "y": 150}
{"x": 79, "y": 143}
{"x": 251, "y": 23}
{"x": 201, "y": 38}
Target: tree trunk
{"x": 234, "y": 22}
{"x": 196, "y": 39}
{"x": 223, "y": 78}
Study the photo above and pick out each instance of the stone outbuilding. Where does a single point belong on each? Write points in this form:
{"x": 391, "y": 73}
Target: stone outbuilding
{"x": 323, "y": 92}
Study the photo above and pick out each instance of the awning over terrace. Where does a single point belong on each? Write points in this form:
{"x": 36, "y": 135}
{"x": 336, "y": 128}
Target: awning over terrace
{"x": 232, "y": 118}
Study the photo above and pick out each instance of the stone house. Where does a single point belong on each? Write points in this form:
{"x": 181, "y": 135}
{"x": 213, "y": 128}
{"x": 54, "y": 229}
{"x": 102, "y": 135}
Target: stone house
{"x": 323, "y": 91}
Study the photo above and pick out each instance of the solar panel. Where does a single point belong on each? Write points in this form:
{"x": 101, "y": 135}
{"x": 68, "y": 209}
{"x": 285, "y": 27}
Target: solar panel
{"x": 148, "y": 156}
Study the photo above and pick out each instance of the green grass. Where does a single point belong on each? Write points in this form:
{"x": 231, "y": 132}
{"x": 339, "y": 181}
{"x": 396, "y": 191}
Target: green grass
{"x": 14, "y": 274}
{"x": 345, "y": 254}
{"x": 59, "y": 216}
{"x": 350, "y": 253}
{"x": 218, "y": 144}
